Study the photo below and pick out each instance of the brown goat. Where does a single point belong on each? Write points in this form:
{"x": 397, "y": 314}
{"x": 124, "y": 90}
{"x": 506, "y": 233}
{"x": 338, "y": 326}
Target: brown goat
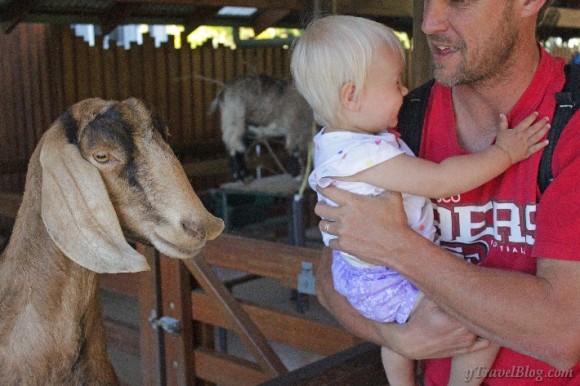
{"x": 101, "y": 172}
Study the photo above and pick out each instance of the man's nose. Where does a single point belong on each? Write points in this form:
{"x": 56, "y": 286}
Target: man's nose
{"x": 434, "y": 16}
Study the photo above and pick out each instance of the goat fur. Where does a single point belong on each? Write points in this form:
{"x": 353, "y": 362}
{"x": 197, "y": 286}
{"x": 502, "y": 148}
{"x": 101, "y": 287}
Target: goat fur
{"x": 101, "y": 172}
{"x": 262, "y": 106}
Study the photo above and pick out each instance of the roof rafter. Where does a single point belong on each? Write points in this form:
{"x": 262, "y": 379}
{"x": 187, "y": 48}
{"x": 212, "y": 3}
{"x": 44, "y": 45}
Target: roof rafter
{"x": 16, "y": 11}
{"x": 268, "y": 18}
{"x": 115, "y": 17}
{"x": 296, "y": 5}
{"x": 199, "y": 19}
{"x": 390, "y": 8}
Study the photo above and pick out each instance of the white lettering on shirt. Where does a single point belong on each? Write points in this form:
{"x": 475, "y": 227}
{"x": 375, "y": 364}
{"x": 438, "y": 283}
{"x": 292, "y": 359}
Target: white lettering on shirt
{"x": 470, "y": 230}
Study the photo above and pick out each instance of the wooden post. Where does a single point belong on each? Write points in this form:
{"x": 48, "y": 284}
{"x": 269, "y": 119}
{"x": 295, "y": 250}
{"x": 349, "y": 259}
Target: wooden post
{"x": 176, "y": 303}
{"x": 420, "y": 54}
{"x": 151, "y": 338}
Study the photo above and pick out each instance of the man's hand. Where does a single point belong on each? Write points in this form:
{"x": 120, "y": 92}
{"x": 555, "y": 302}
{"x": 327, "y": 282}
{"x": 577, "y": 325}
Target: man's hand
{"x": 365, "y": 226}
{"x": 429, "y": 333}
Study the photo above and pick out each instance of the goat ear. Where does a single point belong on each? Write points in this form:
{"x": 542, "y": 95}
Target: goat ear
{"x": 77, "y": 210}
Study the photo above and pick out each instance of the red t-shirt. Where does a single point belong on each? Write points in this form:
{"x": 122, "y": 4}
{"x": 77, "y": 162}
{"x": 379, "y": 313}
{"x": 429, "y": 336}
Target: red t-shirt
{"x": 496, "y": 224}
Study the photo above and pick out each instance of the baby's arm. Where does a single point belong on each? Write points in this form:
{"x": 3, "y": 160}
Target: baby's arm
{"x": 462, "y": 173}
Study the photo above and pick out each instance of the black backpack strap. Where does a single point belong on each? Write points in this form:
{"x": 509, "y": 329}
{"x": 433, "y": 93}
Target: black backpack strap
{"x": 412, "y": 116}
{"x": 567, "y": 103}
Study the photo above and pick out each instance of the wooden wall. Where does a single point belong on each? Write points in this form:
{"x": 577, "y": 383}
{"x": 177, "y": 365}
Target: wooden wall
{"x": 28, "y": 101}
{"x": 46, "y": 68}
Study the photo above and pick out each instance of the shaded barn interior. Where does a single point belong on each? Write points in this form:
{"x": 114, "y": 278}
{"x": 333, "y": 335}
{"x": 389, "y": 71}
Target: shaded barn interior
{"x": 46, "y": 68}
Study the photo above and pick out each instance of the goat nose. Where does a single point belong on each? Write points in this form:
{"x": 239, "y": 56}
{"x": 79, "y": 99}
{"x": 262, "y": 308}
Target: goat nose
{"x": 192, "y": 228}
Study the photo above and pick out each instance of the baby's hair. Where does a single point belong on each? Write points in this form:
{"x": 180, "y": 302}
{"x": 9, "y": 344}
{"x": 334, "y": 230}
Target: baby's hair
{"x": 335, "y": 50}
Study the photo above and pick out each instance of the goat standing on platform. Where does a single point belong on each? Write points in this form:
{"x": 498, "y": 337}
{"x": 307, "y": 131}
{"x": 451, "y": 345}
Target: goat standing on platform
{"x": 262, "y": 106}
{"x": 101, "y": 172}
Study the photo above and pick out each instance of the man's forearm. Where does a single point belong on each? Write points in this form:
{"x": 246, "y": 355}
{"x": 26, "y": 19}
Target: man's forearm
{"x": 535, "y": 315}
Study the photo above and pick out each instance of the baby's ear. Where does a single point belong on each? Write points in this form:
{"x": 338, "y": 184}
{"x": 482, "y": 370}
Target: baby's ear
{"x": 348, "y": 96}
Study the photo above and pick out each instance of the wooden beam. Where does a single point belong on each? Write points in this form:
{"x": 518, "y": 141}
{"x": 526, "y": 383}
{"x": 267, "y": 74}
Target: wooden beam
{"x": 278, "y": 326}
{"x": 200, "y": 18}
{"x": 420, "y": 54}
{"x": 176, "y": 303}
{"x": 126, "y": 284}
{"x": 263, "y": 258}
{"x": 296, "y": 5}
{"x": 220, "y": 368}
{"x": 268, "y": 18}
{"x": 151, "y": 340}
{"x": 220, "y": 166}
{"x": 16, "y": 10}
{"x": 116, "y": 16}
{"x": 359, "y": 365}
{"x": 388, "y": 8}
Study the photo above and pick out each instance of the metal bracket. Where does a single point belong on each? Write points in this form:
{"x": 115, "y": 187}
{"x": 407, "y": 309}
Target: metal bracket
{"x": 167, "y": 323}
{"x": 306, "y": 281}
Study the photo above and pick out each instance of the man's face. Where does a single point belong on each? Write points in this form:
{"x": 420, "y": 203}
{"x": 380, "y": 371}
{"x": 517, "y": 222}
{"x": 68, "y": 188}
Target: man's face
{"x": 470, "y": 40}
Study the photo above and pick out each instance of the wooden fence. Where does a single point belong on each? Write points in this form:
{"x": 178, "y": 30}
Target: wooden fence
{"x": 201, "y": 301}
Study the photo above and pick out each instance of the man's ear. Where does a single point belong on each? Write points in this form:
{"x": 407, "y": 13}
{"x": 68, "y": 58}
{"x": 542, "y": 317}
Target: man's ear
{"x": 348, "y": 96}
{"x": 531, "y": 7}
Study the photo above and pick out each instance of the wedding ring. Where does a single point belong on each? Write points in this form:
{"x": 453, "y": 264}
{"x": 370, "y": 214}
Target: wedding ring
{"x": 326, "y": 226}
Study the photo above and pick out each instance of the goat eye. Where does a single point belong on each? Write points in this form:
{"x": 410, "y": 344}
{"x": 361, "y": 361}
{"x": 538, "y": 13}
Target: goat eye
{"x": 101, "y": 157}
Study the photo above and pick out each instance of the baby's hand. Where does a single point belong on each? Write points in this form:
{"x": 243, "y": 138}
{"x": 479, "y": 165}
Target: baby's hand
{"x": 523, "y": 140}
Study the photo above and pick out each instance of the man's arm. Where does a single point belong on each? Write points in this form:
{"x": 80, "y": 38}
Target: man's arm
{"x": 535, "y": 315}
{"x": 429, "y": 333}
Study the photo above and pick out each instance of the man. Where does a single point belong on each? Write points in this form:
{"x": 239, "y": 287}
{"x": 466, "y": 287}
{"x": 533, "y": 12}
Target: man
{"x": 523, "y": 294}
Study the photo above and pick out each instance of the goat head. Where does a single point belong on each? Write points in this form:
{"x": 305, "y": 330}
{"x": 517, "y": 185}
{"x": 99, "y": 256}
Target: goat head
{"x": 107, "y": 174}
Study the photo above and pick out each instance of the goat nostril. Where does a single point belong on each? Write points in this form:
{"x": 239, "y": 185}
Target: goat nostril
{"x": 192, "y": 228}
